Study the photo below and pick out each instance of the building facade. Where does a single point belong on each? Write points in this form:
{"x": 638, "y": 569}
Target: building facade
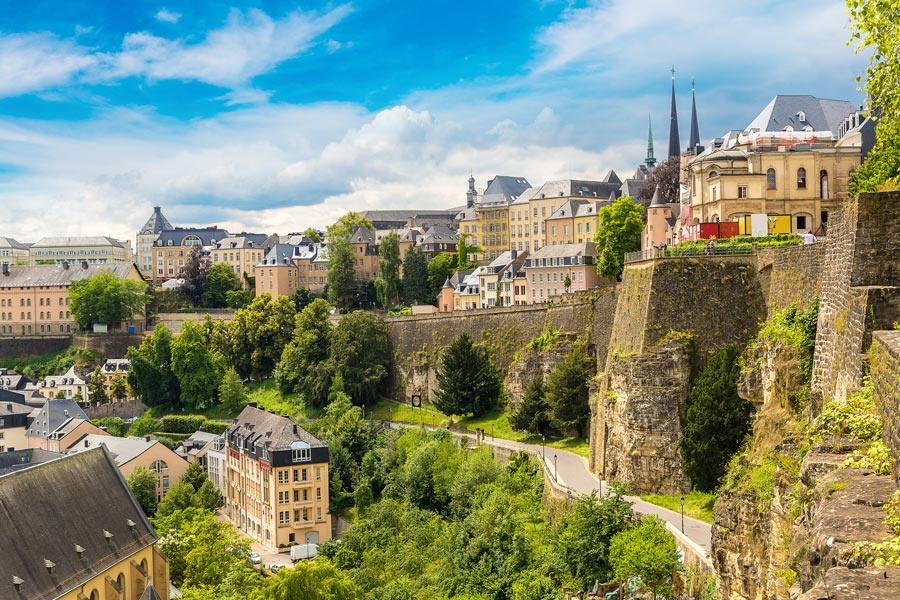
{"x": 13, "y": 252}
{"x": 173, "y": 248}
{"x": 13, "y": 426}
{"x": 242, "y": 253}
{"x": 95, "y": 250}
{"x": 546, "y": 271}
{"x": 146, "y": 239}
{"x": 277, "y": 480}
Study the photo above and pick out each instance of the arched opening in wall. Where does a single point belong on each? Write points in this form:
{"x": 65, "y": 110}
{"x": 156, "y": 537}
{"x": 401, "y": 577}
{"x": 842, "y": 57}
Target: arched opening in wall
{"x": 770, "y": 179}
{"x": 801, "y": 178}
{"x": 823, "y": 183}
{"x": 120, "y": 581}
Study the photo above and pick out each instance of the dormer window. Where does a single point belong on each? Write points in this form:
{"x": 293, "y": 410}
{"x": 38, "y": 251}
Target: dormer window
{"x": 300, "y": 451}
{"x": 801, "y": 116}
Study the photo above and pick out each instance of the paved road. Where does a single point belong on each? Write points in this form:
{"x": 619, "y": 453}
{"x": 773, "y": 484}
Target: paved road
{"x": 572, "y": 471}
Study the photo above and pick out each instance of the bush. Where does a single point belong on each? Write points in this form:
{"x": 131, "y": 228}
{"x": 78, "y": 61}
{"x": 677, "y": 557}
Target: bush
{"x": 144, "y": 425}
{"x": 114, "y": 426}
{"x": 182, "y": 423}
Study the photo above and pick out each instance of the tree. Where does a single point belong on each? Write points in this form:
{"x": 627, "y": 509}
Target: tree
{"x": 415, "y": 277}
{"x": 194, "y": 274}
{"x": 533, "y": 414}
{"x": 199, "y": 371}
{"x": 619, "y": 232}
{"x": 302, "y": 298}
{"x": 208, "y": 496}
{"x": 387, "y": 285}
{"x": 584, "y": 536}
{"x": 256, "y": 337}
{"x": 232, "y": 394}
{"x": 313, "y": 234}
{"x": 440, "y": 268}
{"x": 352, "y": 219}
{"x": 876, "y": 27}
{"x": 463, "y": 251}
{"x": 567, "y": 392}
{"x": 468, "y": 382}
{"x": 142, "y": 484}
{"x": 118, "y": 387}
{"x": 360, "y": 352}
{"x": 646, "y": 551}
{"x": 195, "y": 475}
{"x": 106, "y": 298}
{"x": 567, "y": 282}
{"x": 341, "y": 271}
{"x": 150, "y": 374}
{"x": 96, "y": 387}
{"x": 666, "y": 175}
{"x": 220, "y": 279}
{"x": 303, "y": 360}
{"x": 309, "y": 580}
{"x": 716, "y": 421}
{"x": 179, "y": 497}
{"x": 239, "y": 298}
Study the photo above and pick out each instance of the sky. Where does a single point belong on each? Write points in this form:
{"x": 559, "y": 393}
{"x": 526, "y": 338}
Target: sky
{"x": 274, "y": 116}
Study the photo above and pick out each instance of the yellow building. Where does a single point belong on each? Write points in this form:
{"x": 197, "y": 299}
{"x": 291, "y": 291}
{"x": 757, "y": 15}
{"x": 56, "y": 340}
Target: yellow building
{"x": 13, "y": 426}
{"x": 79, "y": 534}
{"x": 277, "y": 480}
{"x": 173, "y": 249}
{"x": 485, "y": 222}
{"x": 242, "y": 252}
{"x": 95, "y": 250}
{"x": 278, "y": 274}
{"x": 788, "y": 161}
{"x": 35, "y": 300}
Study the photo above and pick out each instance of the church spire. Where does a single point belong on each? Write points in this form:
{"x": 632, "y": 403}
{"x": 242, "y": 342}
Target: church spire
{"x": 674, "y": 141}
{"x": 695, "y": 129}
{"x": 650, "y": 161}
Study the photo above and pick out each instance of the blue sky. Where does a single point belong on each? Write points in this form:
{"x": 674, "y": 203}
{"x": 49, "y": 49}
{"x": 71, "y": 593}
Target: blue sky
{"x": 273, "y": 116}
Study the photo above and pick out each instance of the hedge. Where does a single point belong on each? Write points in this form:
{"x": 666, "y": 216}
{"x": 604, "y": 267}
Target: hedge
{"x": 191, "y": 423}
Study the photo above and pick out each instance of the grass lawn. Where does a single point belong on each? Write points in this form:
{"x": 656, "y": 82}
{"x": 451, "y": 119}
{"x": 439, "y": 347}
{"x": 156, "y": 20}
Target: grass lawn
{"x": 698, "y": 505}
{"x": 495, "y": 422}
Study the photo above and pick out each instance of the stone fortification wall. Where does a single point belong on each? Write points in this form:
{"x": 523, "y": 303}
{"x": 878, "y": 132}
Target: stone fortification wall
{"x": 884, "y": 358}
{"x": 417, "y": 342}
{"x": 860, "y": 292}
{"x": 791, "y": 274}
{"x": 27, "y": 347}
{"x": 175, "y": 321}
{"x": 111, "y": 345}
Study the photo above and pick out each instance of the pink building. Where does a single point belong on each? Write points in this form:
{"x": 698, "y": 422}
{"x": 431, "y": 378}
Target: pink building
{"x": 546, "y": 270}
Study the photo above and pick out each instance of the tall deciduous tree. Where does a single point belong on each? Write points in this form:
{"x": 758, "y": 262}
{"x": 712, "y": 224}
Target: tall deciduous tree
{"x": 118, "y": 387}
{"x": 195, "y": 269}
{"x": 359, "y": 351}
{"x": 567, "y": 392}
{"x": 150, "y": 374}
{"x": 646, "y": 551}
{"x": 440, "y": 268}
{"x": 142, "y": 484}
{"x": 716, "y": 421}
{"x": 96, "y": 387}
{"x": 232, "y": 394}
{"x": 220, "y": 279}
{"x": 105, "y": 298}
{"x": 415, "y": 277}
{"x": 468, "y": 381}
{"x": 387, "y": 285}
{"x": 619, "y": 232}
{"x": 316, "y": 580}
{"x": 302, "y": 367}
{"x": 341, "y": 272}
{"x": 199, "y": 371}
{"x": 313, "y": 234}
{"x": 254, "y": 340}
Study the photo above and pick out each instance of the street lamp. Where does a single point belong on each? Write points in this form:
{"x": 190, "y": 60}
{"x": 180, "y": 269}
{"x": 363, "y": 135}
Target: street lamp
{"x": 543, "y": 455}
{"x": 682, "y": 514}
{"x": 555, "y": 479}
{"x": 492, "y": 432}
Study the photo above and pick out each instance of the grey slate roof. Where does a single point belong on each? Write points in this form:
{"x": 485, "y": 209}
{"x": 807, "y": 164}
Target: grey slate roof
{"x": 821, "y": 114}
{"x": 279, "y": 254}
{"x": 206, "y": 235}
{"x": 69, "y": 242}
{"x": 362, "y": 235}
{"x": 55, "y": 275}
{"x": 578, "y": 188}
{"x": 156, "y": 223}
{"x": 567, "y": 210}
{"x": 263, "y": 427}
{"x": 395, "y": 219}
{"x": 52, "y": 507}
{"x": 244, "y": 240}
{"x": 122, "y": 450}
{"x": 563, "y": 250}
{"x": 22, "y": 459}
{"x": 11, "y": 380}
{"x": 505, "y": 186}
{"x": 53, "y": 415}
{"x": 6, "y": 242}
{"x": 439, "y": 234}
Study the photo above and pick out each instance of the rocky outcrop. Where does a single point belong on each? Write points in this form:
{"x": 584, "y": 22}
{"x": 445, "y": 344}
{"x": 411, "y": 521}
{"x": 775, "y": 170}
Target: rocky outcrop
{"x": 771, "y": 375}
{"x": 531, "y": 363}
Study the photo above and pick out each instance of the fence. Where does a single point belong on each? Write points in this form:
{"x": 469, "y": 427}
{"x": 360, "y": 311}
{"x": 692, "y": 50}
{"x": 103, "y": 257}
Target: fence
{"x": 678, "y": 252}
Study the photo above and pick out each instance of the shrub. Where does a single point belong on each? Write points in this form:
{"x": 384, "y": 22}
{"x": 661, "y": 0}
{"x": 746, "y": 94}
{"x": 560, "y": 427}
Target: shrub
{"x": 182, "y": 423}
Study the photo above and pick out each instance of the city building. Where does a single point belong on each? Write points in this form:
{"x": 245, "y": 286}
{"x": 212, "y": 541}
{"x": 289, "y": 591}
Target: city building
{"x": 278, "y": 274}
{"x": 242, "y": 252}
{"x": 35, "y": 300}
{"x": 58, "y": 424}
{"x": 146, "y": 239}
{"x": 217, "y": 465}
{"x": 13, "y": 426}
{"x": 129, "y": 453}
{"x": 546, "y": 270}
{"x": 277, "y": 474}
{"x": 196, "y": 447}
{"x": 485, "y": 223}
{"x": 174, "y": 247}
{"x": 495, "y": 282}
{"x": 788, "y": 161}
{"x": 661, "y": 223}
{"x": 11, "y": 380}
{"x": 68, "y": 385}
{"x": 400, "y": 219}
{"x": 95, "y": 250}
{"x": 13, "y": 252}
{"x": 437, "y": 239}
{"x": 364, "y": 245}
{"x": 78, "y": 534}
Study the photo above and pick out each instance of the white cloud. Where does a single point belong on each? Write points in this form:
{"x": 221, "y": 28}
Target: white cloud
{"x": 36, "y": 61}
{"x": 167, "y": 16}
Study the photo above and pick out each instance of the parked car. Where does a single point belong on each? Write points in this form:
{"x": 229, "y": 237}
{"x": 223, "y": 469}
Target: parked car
{"x": 255, "y": 558}
{"x": 276, "y": 567}
{"x": 304, "y": 551}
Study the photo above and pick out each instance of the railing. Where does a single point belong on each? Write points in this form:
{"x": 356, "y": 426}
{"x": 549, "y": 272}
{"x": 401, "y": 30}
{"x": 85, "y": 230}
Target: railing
{"x": 676, "y": 252}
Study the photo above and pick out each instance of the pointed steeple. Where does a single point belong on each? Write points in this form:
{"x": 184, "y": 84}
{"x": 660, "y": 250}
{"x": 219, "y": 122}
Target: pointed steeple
{"x": 650, "y": 161}
{"x": 674, "y": 141}
{"x": 695, "y": 129}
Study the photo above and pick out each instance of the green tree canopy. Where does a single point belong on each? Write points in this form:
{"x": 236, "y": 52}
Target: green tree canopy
{"x": 220, "y": 279}
{"x": 646, "y": 551}
{"x": 302, "y": 366}
{"x": 199, "y": 370}
{"x": 533, "y": 415}
{"x": 415, "y": 277}
{"x": 387, "y": 285}
{"x": 106, "y": 298}
{"x": 118, "y": 387}
{"x": 716, "y": 421}
{"x": 96, "y": 387}
{"x": 619, "y": 232}
{"x": 468, "y": 381}
{"x": 567, "y": 392}
{"x": 150, "y": 374}
{"x": 341, "y": 271}
{"x": 254, "y": 340}
{"x": 360, "y": 352}
{"x": 309, "y": 580}
{"x": 232, "y": 393}
{"x": 142, "y": 484}
{"x": 313, "y": 234}
{"x": 440, "y": 268}
{"x": 194, "y": 274}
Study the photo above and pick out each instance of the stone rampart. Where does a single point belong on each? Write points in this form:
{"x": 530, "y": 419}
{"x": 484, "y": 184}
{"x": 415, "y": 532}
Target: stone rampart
{"x": 790, "y": 274}
{"x": 27, "y": 347}
{"x": 111, "y": 345}
{"x": 884, "y": 359}
{"x": 860, "y": 292}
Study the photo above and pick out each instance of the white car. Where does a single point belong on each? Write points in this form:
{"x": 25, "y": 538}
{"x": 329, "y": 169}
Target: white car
{"x": 255, "y": 558}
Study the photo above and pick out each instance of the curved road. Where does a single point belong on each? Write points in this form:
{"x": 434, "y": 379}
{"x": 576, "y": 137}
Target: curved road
{"x": 572, "y": 471}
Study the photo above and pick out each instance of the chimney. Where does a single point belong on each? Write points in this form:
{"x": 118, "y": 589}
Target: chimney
{"x": 251, "y": 404}
{"x": 87, "y": 443}
{"x": 65, "y": 264}
{"x": 6, "y": 268}
{"x": 295, "y": 430}
{"x": 84, "y": 264}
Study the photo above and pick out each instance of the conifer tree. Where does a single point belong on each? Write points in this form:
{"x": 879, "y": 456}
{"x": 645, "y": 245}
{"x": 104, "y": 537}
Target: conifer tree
{"x": 468, "y": 382}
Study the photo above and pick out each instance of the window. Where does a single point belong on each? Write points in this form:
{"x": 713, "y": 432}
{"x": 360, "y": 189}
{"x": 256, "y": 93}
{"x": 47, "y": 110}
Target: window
{"x": 159, "y": 466}
{"x": 318, "y": 473}
{"x": 318, "y": 493}
{"x": 801, "y": 222}
{"x": 801, "y": 178}
{"x": 284, "y": 517}
{"x": 770, "y": 179}
{"x": 319, "y": 513}
{"x": 742, "y": 191}
{"x": 284, "y": 497}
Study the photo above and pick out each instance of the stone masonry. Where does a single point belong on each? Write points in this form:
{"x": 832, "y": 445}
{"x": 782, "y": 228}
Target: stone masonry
{"x": 884, "y": 357}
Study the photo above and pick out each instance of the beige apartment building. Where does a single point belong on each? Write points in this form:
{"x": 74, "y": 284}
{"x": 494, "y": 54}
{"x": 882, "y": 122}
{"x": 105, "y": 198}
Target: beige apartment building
{"x": 13, "y": 426}
{"x": 277, "y": 274}
{"x": 35, "y": 300}
{"x": 174, "y": 247}
{"x": 277, "y": 480}
{"x": 546, "y": 270}
{"x": 13, "y": 252}
{"x": 242, "y": 252}
{"x": 146, "y": 238}
{"x": 95, "y": 250}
